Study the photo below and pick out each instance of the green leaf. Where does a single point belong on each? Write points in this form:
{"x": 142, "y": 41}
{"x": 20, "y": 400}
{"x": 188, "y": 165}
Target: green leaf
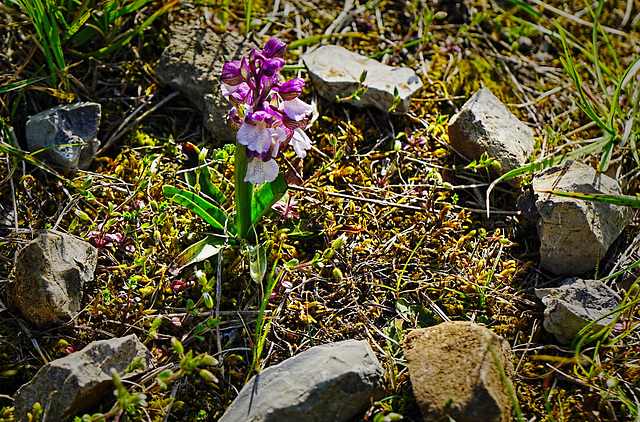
{"x": 125, "y": 40}
{"x": 209, "y": 212}
{"x": 549, "y": 162}
{"x": 265, "y": 197}
{"x": 206, "y": 248}
{"x": 206, "y": 187}
{"x": 624, "y": 200}
{"x": 257, "y": 261}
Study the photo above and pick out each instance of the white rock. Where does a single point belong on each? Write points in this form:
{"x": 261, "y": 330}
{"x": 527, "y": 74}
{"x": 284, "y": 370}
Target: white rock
{"x": 335, "y": 71}
{"x": 53, "y": 129}
{"x": 575, "y": 234}
{"x": 68, "y": 386}
{"x": 575, "y": 304}
{"x": 332, "y": 382}
{"x": 485, "y": 125}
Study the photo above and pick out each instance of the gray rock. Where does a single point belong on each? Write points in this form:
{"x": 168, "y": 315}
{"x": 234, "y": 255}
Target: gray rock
{"x": 59, "y": 126}
{"x": 192, "y": 64}
{"x": 48, "y": 276}
{"x": 575, "y": 234}
{"x": 453, "y": 372}
{"x": 485, "y": 125}
{"x": 332, "y": 382}
{"x": 335, "y": 70}
{"x": 575, "y": 304}
{"x": 70, "y": 385}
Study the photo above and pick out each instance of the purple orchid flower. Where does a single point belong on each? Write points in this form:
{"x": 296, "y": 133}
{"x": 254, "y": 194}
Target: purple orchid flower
{"x": 267, "y": 113}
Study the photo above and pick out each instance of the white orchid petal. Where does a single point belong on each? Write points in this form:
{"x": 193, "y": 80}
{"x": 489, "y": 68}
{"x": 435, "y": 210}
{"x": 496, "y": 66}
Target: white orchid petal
{"x": 297, "y": 109}
{"x": 259, "y": 171}
{"x": 278, "y": 135}
{"x": 228, "y": 89}
{"x": 300, "y": 143}
{"x": 257, "y": 137}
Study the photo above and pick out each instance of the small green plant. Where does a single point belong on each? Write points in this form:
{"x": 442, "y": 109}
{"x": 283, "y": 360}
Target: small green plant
{"x": 276, "y": 278}
{"x": 36, "y": 412}
{"x": 6, "y": 414}
{"x": 618, "y": 120}
{"x": 57, "y": 22}
{"x": 588, "y": 361}
{"x": 485, "y": 163}
{"x": 268, "y": 116}
{"x": 132, "y": 403}
{"x": 360, "y": 90}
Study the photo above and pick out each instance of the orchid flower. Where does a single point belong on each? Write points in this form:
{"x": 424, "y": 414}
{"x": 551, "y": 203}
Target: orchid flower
{"x": 266, "y": 111}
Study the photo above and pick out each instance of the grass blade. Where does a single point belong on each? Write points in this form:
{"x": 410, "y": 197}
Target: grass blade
{"x": 110, "y": 48}
{"x": 624, "y": 200}
{"x": 548, "y": 162}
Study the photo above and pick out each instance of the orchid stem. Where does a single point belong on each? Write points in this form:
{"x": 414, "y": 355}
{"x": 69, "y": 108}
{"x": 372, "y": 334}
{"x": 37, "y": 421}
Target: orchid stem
{"x": 244, "y": 192}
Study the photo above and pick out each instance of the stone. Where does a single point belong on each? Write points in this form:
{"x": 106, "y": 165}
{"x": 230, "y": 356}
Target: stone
{"x": 575, "y": 304}
{"x": 71, "y": 385}
{"x": 335, "y": 70}
{"x": 54, "y": 129}
{"x": 576, "y": 234}
{"x": 485, "y": 125}
{"x": 454, "y": 373}
{"x": 48, "y": 276}
{"x": 192, "y": 64}
{"x": 332, "y": 382}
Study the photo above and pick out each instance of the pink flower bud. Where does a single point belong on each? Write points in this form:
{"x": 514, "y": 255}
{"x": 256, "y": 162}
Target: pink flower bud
{"x": 291, "y": 89}
{"x": 272, "y": 66}
{"x": 231, "y": 73}
{"x": 274, "y": 48}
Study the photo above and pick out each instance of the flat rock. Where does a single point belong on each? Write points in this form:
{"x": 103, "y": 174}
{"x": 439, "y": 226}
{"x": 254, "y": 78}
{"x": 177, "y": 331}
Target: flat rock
{"x": 54, "y": 129}
{"x": 335, "y": 70}
{"x": 192, "y": 64}
{"x": 575, "y": 304}
{"x": 48, "y": 276}
{"x": 69, "y": 386}
{"x": 453, "y": 372}
{"x": 575, "y": 234}
{"x": 485, "y": 125}
{"x": 332, "y": 382}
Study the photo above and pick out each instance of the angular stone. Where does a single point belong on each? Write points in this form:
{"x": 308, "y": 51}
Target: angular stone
{"x": 453, "y": 372}
{"x": 192, "y": 64}
{"x": 575, "y": 234}
{"x": 575, "y": 304}
{"x": 67, "y": 124}
{"x": 48, "y": 276}
{"x": 68, "y": 386}
{"x": 335, "y": 70}
{"x": 331, "y": 382}
{"x": 485, "y": 125}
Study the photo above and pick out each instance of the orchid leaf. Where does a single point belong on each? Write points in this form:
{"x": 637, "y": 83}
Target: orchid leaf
{"x": 209, "y": 212}
{"x": 265, "y": 197}
{"x": 199, "y": 251}
{"x": 624, "y": 200}
{"x": 207, "y": 188}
